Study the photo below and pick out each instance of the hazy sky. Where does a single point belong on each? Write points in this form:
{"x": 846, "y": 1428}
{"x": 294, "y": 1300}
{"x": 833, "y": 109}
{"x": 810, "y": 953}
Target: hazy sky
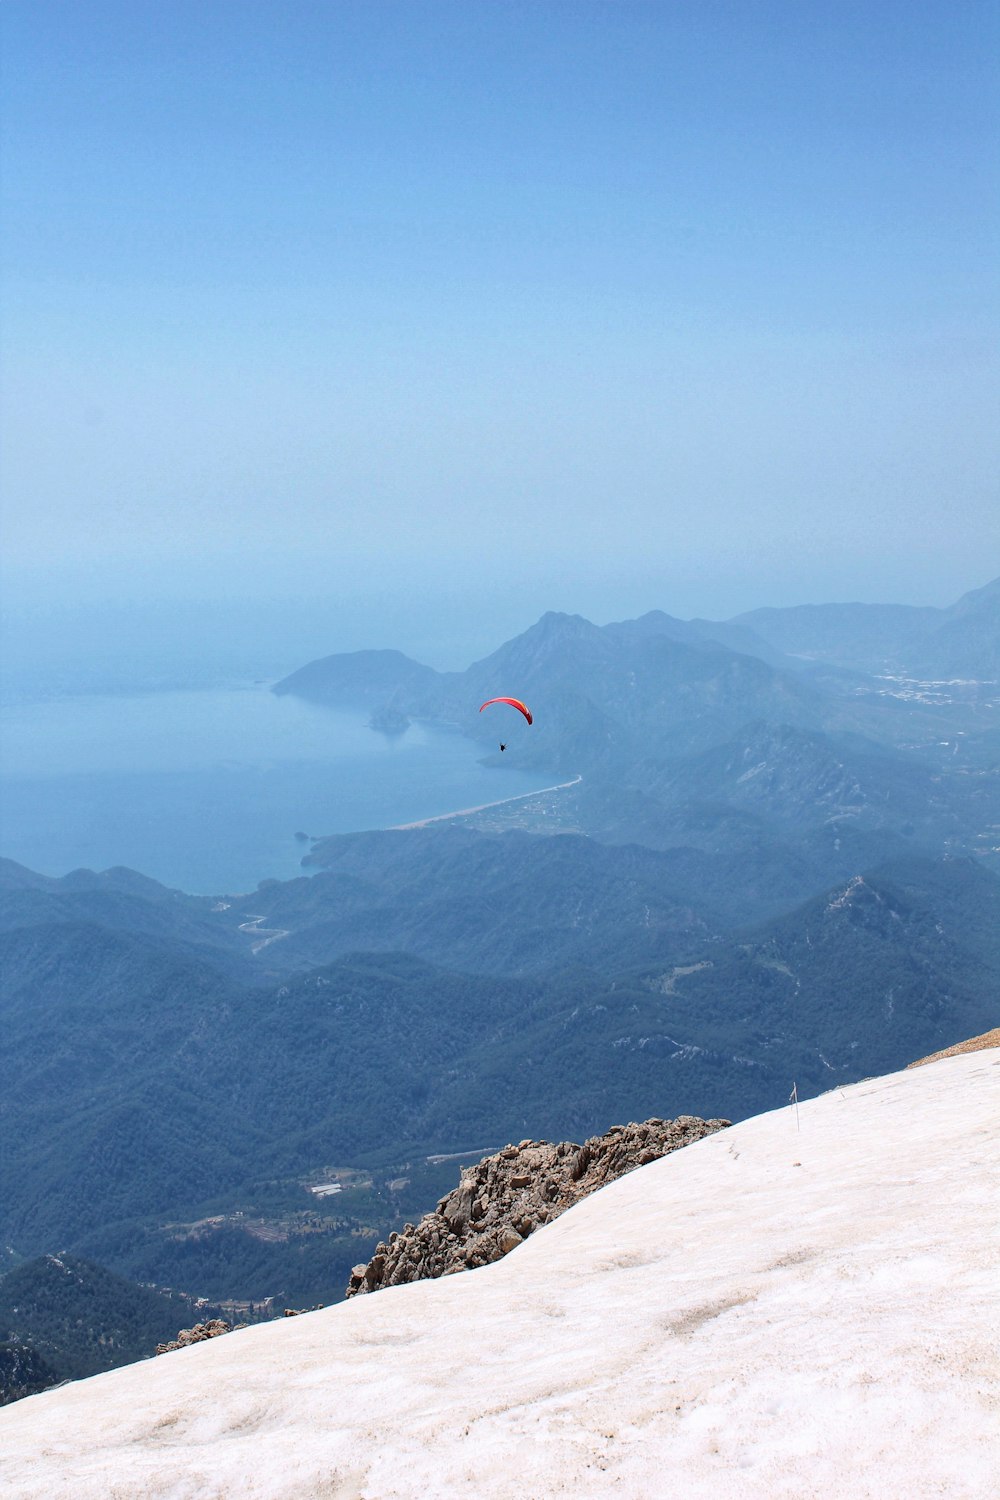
{"x": 595, "y": 306}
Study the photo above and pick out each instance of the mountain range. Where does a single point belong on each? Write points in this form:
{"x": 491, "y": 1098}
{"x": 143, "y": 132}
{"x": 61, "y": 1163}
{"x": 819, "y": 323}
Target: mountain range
{"x": 765, "y": 868}
{"x": 616, "y": 697}
{"x": 146, "y": 1093}
{"x": 960, "y": 641}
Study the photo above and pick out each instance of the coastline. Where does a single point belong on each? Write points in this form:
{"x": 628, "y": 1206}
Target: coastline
{"x": 465, "y": 812}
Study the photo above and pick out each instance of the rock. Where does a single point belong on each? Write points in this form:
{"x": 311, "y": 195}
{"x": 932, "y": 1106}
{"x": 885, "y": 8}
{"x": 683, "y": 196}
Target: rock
{"x": 210, "y": 1330}
{"x": 505, "y": 1198}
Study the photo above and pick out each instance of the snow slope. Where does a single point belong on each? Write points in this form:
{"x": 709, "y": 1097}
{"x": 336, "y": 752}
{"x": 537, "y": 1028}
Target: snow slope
{"x": 769, "y": 1313}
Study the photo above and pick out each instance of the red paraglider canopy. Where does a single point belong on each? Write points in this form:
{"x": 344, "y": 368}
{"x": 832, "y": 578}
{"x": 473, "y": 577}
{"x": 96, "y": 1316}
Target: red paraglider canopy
{"x": 514, "y": 703}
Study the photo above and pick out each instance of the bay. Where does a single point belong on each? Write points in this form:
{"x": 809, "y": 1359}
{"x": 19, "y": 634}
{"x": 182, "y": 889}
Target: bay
{"x": 206, "y": 790}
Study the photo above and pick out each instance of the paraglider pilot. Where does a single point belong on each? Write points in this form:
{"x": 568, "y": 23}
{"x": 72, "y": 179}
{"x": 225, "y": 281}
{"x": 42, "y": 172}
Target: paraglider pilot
{"x": 522, "y": 708}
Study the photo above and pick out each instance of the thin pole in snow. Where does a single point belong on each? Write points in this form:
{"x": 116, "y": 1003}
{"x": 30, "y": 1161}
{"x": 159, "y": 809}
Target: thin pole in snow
{"x": 793, "y": 1098}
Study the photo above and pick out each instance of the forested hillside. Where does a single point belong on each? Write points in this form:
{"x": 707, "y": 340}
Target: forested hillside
{"x": 142, "y": 1092}
{"x": 66, "y": 1317}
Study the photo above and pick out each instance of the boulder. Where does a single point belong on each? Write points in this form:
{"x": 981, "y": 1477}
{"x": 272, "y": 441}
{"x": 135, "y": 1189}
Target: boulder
{"x": 210, "y": 1330}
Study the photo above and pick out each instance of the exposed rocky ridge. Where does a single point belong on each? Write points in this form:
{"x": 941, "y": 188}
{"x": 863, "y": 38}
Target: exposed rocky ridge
{"x": 974, "y": 1044}
{"x": 504, "y": 1198}
{"x": 196, "y": 1335}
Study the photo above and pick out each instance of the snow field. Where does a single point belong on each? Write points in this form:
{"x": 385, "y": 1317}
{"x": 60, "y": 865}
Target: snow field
{"x": 768, "y": 1313}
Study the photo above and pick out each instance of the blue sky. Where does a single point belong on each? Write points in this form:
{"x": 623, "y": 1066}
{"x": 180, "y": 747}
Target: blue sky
{"x": 595, "y": 306}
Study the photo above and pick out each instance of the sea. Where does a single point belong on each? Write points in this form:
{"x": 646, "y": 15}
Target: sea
{"x": 211, "y": 790}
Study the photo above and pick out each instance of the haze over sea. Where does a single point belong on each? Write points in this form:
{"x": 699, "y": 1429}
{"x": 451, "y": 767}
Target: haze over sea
{"x": 133, "y": 748}
{"x": 206, "y": 789}
{"x": 353, "y": 325}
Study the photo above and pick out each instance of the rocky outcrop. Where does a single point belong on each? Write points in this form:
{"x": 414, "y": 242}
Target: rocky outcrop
{"x": 974, "y": 1044}
{"x": 504, "y": 1198}
{"x": 210, "y": 1330}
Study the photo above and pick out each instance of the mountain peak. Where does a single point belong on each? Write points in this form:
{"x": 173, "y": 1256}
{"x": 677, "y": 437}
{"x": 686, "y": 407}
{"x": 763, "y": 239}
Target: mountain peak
{"x": 556, "y": 622}
{"x": 985, "y": 600}
{"x": 547, "y": 640}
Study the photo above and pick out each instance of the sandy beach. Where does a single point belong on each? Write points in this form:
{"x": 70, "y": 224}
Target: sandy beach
{"x": 465, "y": 812}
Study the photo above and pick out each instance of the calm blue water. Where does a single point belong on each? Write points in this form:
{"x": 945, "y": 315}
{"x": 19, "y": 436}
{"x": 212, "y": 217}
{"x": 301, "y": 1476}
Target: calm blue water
{"x": 205, "y": 790}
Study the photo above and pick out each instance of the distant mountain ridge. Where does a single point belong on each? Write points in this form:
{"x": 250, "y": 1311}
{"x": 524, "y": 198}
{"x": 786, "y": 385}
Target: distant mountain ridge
{"x": 610, "y": 693}
{"x": 122, "y": 900}
{"x": 613, "y": 701}
{"x": 684, "y": 740}
{"x": 961, "y": 640}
